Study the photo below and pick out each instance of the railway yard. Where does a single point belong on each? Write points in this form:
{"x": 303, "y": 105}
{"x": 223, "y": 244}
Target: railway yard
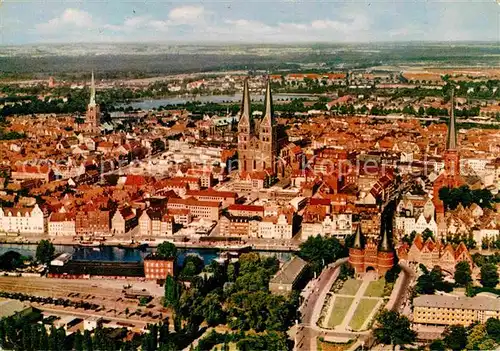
{"x": 113, "y": 298}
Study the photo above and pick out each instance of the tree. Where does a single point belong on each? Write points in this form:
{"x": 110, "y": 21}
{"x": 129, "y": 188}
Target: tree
{"x": 44, "y": 251}
{"x": 493, "y": 328}
{"x": 463, "y": 273}
{"x": 476, "y": 335}
{"x": 172, "y": 292}
{"x": 78, "y": 343}
{"x": 394, "y": 329}
{"x": 212, "y": 310}
{"x": 87, "y": 341}
{"x": 319, "y": 251}
{"x": 431, "y": 281}
{"x": 437, "y": 345}
{"x": 427, "y": 233}
{"x": 455, "y": 337}
{"x": 489, "y": 275}
{"x": 392, "y": 274}
{"x": 192, "y": 265}
{"x": 166, "y": 250}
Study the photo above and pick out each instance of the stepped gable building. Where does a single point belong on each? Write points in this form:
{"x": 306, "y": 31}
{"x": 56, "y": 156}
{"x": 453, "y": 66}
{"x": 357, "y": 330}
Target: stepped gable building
{"x": 432, "y": 253}
{"x": 93, "y": 115}
{"x": 257, "y": 138}
{"x": 367, "y": 256}
{"x": 451, "y": 176}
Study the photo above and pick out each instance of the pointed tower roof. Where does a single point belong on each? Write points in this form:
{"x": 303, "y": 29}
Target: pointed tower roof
{"x": 245, "y": 104}
{"x": 385, "y": 243}
{"x": 359, "y": 240}
{"x": 451, "y": 139}
{"x": 268, "y": 114}
{"x": 92, "y": 90}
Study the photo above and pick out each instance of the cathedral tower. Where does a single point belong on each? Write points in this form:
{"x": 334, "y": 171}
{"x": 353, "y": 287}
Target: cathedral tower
{"x": 268, "y": 136}
{"x": 245, "y": 133}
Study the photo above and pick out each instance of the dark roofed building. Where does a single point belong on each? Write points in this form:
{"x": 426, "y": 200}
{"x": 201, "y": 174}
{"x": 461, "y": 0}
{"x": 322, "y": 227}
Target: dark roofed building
{"x": 289, "y": 277}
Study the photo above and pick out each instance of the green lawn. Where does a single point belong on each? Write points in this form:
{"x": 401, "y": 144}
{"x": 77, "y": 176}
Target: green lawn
{"x": 362, "y": 312}
{"x": 340, "y": 307}
{"x": 375, "y": 288}
{"x": 350, "y": 287}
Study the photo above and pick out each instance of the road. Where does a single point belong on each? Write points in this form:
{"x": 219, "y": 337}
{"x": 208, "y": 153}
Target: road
{"x": 308, "y": 331}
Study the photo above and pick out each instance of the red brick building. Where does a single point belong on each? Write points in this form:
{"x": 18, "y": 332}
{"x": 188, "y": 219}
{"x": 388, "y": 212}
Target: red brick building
{"x": 95, "y": 222}
{"x": 451, "y": 177}
{"x": 157, "y": 268}
{"x": 365, "y": 256}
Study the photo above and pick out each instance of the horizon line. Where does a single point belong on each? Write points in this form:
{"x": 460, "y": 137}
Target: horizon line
{"x": 252, "y": 43}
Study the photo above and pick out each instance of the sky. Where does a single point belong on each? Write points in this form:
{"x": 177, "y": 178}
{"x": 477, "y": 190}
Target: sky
{"x": 247, "y": 21}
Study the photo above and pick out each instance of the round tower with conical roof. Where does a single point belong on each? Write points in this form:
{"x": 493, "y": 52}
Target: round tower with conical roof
{"x": 357, "y": 252}
{"x": 385, "y": 253}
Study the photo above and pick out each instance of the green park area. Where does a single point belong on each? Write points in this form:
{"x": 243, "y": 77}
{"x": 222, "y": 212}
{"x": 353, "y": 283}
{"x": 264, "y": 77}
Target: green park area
{"x": 363, "y": 311}
{"x": 375, "y": 288}
{"x": 350, "y": 287}
{"x": 340, "y": 307}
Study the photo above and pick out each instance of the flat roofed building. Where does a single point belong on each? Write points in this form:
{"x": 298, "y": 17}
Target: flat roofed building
{"x": 157, "y": 268}
{"x": 448, "y": 310}
{"x": 288, "y": 277}
{"x": 9, "y": 308}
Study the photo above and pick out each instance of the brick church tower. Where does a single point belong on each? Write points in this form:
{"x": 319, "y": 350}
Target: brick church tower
{"x": 451, "y": 177}
{"x": 93, "y": 115}
{"x": 369, "y": 255}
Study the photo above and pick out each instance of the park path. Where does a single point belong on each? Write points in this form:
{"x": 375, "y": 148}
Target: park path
{"x": 367, "y": 279}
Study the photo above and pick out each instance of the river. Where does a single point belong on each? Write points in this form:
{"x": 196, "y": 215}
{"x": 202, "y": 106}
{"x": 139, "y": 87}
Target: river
{"x": 176, "y": 100}
{"x": 119, "y": 254}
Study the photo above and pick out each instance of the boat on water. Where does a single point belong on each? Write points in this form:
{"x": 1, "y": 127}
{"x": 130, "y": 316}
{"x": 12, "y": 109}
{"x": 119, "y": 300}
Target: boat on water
{"x": 133, "y": 245}
{"x": 95, "y": 244}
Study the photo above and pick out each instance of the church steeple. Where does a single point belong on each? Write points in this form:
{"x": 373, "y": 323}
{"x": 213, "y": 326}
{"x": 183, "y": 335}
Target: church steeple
{"x": 92, "y": 91}
{"x": 245, "y": 106}
{"x": 268, "y": 113}
{"x": 451, "y": 139}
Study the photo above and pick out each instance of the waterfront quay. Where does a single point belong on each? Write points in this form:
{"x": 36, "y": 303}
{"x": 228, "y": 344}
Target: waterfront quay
{"x": 202, "y": 243}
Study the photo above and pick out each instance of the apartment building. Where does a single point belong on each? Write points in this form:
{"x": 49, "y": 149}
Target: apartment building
{"x": 225, "y": 197}
{"x": 202, "y": 209}
{"x": 22, "y": 220}
{"x": 61, "y": 224}
{"x": 447, "y": 310}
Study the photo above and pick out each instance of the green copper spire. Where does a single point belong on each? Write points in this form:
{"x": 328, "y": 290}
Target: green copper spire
{"x": 245, "y": 104}
{"x": 92, "y": 90}
{"x": 451, "y": 139}
{"x": 268, "y": 113}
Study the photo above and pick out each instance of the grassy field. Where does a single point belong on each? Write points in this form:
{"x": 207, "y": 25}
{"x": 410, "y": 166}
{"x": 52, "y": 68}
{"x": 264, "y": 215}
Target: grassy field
{"x": 340, "y": 307}
{"x": 350, "y": 287}
{"x": 375, "y": 288}
{"x": 362, "y": 312}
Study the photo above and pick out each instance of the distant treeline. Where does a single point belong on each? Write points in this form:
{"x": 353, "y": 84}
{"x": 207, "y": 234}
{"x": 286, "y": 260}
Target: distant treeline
{"x": 321, "y": 57}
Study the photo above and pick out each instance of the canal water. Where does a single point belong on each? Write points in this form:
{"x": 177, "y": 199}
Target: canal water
{"x": 120, "y": 254}
{"x": 155, "y": 103}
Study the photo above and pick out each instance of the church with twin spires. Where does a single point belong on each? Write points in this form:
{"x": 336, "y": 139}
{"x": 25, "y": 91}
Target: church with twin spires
{"x": 257, "y": 138}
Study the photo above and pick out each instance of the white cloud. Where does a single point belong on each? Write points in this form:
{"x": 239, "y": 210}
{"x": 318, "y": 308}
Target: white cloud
{"x": 187, "y": 14}
{"x": 70, "y": 18}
